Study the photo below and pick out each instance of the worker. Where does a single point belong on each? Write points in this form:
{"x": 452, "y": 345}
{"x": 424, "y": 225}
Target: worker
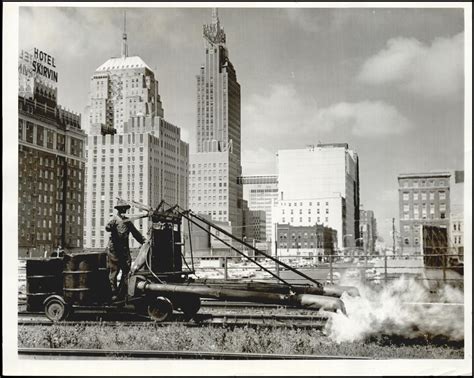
{"x": 118, "y": 251}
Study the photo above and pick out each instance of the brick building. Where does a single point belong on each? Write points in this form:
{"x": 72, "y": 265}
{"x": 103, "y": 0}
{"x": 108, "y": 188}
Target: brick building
{"x": 424, "y": 199}
{"x": 50, "y": 174}
{"x": 314, "y": 241}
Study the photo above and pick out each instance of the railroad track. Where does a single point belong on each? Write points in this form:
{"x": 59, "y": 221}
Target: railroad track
{"x": 201, "y": 320}
{"x": 49, "y": 353}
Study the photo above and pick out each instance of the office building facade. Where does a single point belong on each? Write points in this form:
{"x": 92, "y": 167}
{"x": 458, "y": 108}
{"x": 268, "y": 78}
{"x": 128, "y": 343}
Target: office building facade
{"x": 328, "y": 175}
{"x": 368, "y": 231}
{"x": 424, "y": 199}
{"x": 215, "y": 167}
{"x": 261, "y": 194}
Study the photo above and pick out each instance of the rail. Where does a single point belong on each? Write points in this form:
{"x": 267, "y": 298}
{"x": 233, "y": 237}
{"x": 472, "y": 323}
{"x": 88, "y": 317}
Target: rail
{"x": 230, "y": 320}
{"x": 174, "y": 354}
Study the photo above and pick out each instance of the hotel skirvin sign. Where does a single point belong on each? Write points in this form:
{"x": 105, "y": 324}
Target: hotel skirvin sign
{"x": 36, "y": 64}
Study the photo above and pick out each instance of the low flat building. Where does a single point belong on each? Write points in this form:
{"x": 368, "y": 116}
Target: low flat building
{"x": 314, "y": 242}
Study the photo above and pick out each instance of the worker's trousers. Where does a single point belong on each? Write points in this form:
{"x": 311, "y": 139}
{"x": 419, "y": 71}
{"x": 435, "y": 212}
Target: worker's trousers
{"x": 119, "y": 261}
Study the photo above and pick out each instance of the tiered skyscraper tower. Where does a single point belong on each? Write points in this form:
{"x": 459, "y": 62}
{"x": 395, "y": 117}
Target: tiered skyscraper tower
{"x": 132, "y": 152}
{"x": 214, "y": 188}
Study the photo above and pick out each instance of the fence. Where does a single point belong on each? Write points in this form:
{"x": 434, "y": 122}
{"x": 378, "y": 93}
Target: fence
{"x": 433, "y": 269}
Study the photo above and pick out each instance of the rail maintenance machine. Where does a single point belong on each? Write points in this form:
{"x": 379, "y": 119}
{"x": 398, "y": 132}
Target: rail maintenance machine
{"x": 161, "y": 280}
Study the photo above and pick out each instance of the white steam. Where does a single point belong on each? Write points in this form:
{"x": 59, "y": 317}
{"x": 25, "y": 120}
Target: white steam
{"x": 400, "y": 308}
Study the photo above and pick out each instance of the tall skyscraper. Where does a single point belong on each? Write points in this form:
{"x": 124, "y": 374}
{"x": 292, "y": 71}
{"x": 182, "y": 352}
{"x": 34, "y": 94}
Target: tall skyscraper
{"x": 121, "y": 88}
{"x": 320, "y": 185}
{"x": 215, "y": 168}
{"x": 51, "y": 163}
{"x": 132, "y": 152}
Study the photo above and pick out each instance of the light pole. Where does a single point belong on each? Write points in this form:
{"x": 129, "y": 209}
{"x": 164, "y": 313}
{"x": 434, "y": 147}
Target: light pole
{"x": 343, "y": 238}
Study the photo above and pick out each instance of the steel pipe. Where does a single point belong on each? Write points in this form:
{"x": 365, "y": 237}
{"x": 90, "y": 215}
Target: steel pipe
{"x": 308, "y": 301}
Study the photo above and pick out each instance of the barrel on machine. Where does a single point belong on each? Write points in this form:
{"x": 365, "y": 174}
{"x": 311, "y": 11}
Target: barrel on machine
{"x": 85, "y": 278}
{"x": 43, "y": 278}
{"x": 166, "y": 250}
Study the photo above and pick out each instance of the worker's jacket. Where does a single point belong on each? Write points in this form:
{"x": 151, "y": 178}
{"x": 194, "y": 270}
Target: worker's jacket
{"x": 119, "y": 230}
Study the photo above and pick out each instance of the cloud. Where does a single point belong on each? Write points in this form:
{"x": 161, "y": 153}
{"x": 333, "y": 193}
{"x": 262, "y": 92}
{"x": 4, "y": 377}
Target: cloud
{"x": 258, "y": 161}
{"x": 365, "y": 119}
{"x": 435, "y": 70}
{"x": 306, "y": 20}
{"x": 276, "y": 115}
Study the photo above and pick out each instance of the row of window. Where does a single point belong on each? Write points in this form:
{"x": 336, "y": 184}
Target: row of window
{"x": 423, "y": 196}
{"x": 423, "y": 183}
{"x": 416, "y": 215}
{"x": 301, "y": 211}
{"x": 318, "y": 220}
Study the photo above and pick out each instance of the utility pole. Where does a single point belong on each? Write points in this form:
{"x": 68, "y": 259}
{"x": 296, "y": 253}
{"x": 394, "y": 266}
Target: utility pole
{"x": 393, "y": 236}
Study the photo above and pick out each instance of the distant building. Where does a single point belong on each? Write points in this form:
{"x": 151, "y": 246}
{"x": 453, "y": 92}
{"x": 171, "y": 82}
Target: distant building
{"x": 320, "y": 185}
{"x": 261, "y": 193}
{"x": 314, "y": 241}
{"x": 368, "y": 231}
{"x": 132, "y": 152}
{"x": 215, "y": 167}
{"x": 456, "y": 233}
{"x": 51, "y": 167}
{"x": 424, "y": 199}
{"x": 255, "y": 225}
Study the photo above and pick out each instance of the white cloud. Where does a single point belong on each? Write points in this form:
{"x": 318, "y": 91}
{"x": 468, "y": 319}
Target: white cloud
{"x": 303, "y": 18}
{"x": 435, "y": 70}
{"x": 283, "y": 115}
{"x": 258, "y": 161}
{"x": 366, "y": 119}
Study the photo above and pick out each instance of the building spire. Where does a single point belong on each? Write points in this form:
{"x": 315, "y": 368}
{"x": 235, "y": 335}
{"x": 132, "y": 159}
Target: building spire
{"x": 215, "y": 16}
{"x": 213, "y": 31}
{"x": 124, "y": 36}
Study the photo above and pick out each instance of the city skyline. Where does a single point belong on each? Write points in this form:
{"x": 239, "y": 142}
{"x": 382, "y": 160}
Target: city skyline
{"x": 330, "y": 80}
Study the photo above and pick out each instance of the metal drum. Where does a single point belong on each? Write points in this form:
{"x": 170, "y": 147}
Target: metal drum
{"x": 103, "y": 285}
{"x": 80, "y": 282}
{"x": 43, "y": 278}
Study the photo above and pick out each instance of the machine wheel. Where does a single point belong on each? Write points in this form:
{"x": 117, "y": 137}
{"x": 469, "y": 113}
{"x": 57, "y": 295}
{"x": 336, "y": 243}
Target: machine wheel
{"x": 190, "y": 305}
{"x": 160, "y": 309}
{"x": 56, "y": 310}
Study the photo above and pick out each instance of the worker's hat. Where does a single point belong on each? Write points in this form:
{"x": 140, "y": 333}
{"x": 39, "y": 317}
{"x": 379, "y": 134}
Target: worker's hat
{"x": 122, "y": 205}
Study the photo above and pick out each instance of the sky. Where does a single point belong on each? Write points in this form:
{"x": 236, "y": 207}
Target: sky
{"x": 389, "y": 82}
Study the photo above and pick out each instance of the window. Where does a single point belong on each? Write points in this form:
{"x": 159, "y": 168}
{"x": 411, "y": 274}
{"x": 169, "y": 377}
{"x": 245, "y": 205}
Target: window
{"x": 423, "y": 196}
{"x": 407, "y": 241}
{"x": 406, "y": 196}
{"x": 406, "y": 207}
{"x": 415, "y": 196}
{"x": 432, "y": 196}
{"x": 442, "y": 195}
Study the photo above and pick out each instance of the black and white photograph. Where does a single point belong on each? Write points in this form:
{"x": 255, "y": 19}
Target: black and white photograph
{"x": 237, "y": 188}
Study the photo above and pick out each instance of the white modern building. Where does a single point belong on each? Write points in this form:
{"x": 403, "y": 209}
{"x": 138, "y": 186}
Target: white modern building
{"x": 132, "y": 152}
{"x": 261, "y": 193}
{"x": 320, "y": 184}
{"x": 215, "y": 167}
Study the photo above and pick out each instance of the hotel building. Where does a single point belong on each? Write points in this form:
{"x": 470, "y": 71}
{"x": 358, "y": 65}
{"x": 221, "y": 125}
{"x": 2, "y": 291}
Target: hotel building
{"x": 51, "y": 166}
